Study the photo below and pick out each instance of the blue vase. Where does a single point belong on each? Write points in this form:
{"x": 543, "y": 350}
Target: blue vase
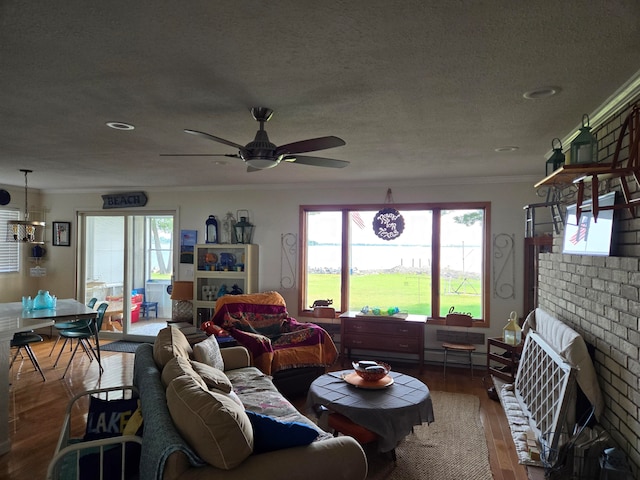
{"x": 43, "y": 300}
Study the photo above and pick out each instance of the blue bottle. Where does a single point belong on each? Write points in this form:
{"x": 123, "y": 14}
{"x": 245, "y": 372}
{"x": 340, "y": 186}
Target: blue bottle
{"x": 211, "y": 230}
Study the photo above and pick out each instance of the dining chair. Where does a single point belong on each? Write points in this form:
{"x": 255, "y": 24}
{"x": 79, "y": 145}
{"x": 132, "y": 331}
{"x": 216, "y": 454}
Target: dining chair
{"x": 146, "y": 307}
{"x": 467, "y": 348}
{"x": 23, "y": 340}
{"x": 64, "y": 325}
{"x": 83, "y": 334}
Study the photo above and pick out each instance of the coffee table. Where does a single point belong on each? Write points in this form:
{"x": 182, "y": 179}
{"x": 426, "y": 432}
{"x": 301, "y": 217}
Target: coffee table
{"x": 390, "y": 412}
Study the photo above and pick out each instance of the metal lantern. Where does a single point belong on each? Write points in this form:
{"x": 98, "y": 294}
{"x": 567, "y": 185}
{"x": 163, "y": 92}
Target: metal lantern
{"x": 244, "y": 230}
{"x": 584, "y": 148}
{"x": 556, "y": 160}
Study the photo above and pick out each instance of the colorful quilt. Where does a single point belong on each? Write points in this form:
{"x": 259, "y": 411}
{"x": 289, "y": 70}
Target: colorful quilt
{"x": 275, "y": 340}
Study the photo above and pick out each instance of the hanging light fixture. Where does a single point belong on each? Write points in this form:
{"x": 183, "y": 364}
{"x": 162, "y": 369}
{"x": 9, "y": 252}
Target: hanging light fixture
{"x": 556, "y": 160}
{"x": 584, "y": 148}
{"x": 25, "y": 230}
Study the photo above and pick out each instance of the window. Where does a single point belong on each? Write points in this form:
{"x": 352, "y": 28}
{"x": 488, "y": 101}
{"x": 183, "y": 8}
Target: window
{"x": 159, "y": 231}
{"x": 9, "y": 251}
{"x": 439, "y": 262}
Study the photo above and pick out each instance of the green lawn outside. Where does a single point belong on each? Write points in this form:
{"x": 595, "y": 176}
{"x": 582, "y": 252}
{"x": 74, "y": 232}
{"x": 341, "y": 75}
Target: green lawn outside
{"x": 410, "y": 292}
{"x": 160, "y": 276}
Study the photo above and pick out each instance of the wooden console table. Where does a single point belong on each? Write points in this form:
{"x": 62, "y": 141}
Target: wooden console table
{"x": 388, "y": 334}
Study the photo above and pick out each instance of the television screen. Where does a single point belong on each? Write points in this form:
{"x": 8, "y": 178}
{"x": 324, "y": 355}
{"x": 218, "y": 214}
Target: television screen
{"x": 588, "y": 236}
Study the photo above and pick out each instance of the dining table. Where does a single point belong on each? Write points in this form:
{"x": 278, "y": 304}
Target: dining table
{"x": 14, "y": 319}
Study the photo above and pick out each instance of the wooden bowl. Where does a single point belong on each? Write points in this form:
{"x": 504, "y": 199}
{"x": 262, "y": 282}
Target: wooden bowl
{"x": 374, "y": 373}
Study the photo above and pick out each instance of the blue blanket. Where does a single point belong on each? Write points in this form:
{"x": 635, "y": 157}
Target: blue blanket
{"x": 160, "y": 437}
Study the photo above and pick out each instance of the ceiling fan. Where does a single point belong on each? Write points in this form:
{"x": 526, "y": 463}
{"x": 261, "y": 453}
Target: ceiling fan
{"x": 261, "y": 154}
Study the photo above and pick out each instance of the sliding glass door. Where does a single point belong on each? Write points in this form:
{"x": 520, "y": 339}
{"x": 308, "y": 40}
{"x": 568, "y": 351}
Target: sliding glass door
{"x": 126, "y": 260}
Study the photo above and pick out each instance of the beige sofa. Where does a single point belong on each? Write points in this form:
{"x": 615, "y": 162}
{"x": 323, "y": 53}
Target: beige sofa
{"x": 196, "y": 426}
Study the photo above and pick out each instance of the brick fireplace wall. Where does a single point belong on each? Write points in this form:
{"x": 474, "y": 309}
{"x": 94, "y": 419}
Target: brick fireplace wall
{"x": 600, "y": 298}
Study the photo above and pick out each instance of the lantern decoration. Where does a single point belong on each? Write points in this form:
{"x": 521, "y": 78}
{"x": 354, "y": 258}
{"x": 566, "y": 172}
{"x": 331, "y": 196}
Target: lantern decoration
{"x": 228, "y": 228}
{"x": 388, "y": 223}
{"x": 244, "y": 229}
{"x": 584, "y": 148}
{"x": 211, "y": 230}
{"x": 556, "y": 160}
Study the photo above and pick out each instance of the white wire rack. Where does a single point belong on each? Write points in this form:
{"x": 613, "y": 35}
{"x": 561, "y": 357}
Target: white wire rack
{"x": 544, "y": 388}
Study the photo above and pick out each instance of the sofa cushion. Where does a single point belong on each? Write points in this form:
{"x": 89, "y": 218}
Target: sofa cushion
{"x": 177, "y": 367}
{"x": 272, "y": 434}
{"x": 215, "y": 426}
{"x": 208, "y": 351}
{"x": 213, "y": 377}
{"x": 108, "y": 418}
{"x": 170, "y": 342}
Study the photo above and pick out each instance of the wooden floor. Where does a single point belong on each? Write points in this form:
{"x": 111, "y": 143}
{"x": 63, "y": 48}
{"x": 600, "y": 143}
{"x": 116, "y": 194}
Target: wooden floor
{"x": 37, "y": 408}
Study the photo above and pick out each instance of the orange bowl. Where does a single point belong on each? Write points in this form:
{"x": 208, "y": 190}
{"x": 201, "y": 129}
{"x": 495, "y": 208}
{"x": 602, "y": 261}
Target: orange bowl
{"x": 372, "y": 376}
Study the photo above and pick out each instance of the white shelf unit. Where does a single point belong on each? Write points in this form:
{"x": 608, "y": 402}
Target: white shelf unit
{"x": 217, "y": 264}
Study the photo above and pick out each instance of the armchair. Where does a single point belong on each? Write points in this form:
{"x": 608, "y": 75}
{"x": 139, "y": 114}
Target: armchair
{"x": 277, "y": 342}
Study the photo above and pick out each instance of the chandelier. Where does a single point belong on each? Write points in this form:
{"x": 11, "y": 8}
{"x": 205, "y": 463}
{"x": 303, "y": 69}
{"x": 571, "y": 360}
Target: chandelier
{"x": 26, "y": 231}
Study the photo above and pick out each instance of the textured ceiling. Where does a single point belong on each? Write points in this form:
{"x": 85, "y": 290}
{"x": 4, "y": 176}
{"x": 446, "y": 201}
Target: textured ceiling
{"x": 419, "y": 90}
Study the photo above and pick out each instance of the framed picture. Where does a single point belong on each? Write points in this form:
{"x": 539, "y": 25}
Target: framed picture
{"x": 188, "y": 240}
{"x": 62, "y": 234}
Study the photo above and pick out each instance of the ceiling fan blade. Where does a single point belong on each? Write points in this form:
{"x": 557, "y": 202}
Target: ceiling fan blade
{"x": 216, "y": 139}
{"x": 317, "y": 161}
{"x": 232, "y": 155}
{"x": 311, "y": 145}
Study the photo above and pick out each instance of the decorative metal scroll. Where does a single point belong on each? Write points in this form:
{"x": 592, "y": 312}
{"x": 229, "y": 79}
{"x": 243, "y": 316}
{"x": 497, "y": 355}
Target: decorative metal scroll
{"x": 504, "y": 266}
{"x": 288, "y": 256}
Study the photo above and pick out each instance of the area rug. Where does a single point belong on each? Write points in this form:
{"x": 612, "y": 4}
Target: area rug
{"x": 120, "y": 346}
{"x": 451, "y": 448}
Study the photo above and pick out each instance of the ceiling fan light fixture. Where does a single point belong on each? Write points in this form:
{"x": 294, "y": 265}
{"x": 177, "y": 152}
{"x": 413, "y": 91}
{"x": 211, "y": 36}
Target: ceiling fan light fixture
{"x": 262, "y": 154}
{"x": 262, "y": 163}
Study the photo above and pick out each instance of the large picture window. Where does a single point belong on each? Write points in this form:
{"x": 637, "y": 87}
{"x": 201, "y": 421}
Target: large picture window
{"x": 438, "y": 263}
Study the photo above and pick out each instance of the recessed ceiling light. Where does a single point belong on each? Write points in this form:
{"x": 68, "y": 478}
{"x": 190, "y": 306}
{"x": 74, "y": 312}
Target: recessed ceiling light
{"x": 120, "y": 125}
{"x": 542, "y": 92}
{"x": 507, "y": 148}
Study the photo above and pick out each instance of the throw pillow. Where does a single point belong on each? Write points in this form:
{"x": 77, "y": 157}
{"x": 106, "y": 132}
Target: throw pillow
{"x": 234, "y": 396}
{"x": 178, "y": 366}
{"x": 108, "y": 418}
{"x": 208, "y": 351}
{"x": 272, "y": 434}
{"x": 214, "y": 425}
{"x": 170, "y": 342}
{"x": 213, "y": 377}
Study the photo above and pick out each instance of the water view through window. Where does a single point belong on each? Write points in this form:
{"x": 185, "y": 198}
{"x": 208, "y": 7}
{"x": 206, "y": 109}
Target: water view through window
{"x": 397, "y": 273}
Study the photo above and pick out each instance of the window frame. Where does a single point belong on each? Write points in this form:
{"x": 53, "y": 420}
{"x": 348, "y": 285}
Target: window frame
{"x": 436, "y": 208}
{"x": 10, "y": 250}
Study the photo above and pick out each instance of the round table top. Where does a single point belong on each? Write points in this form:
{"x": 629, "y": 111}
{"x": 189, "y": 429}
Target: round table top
{"x": 390, "y": 412}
